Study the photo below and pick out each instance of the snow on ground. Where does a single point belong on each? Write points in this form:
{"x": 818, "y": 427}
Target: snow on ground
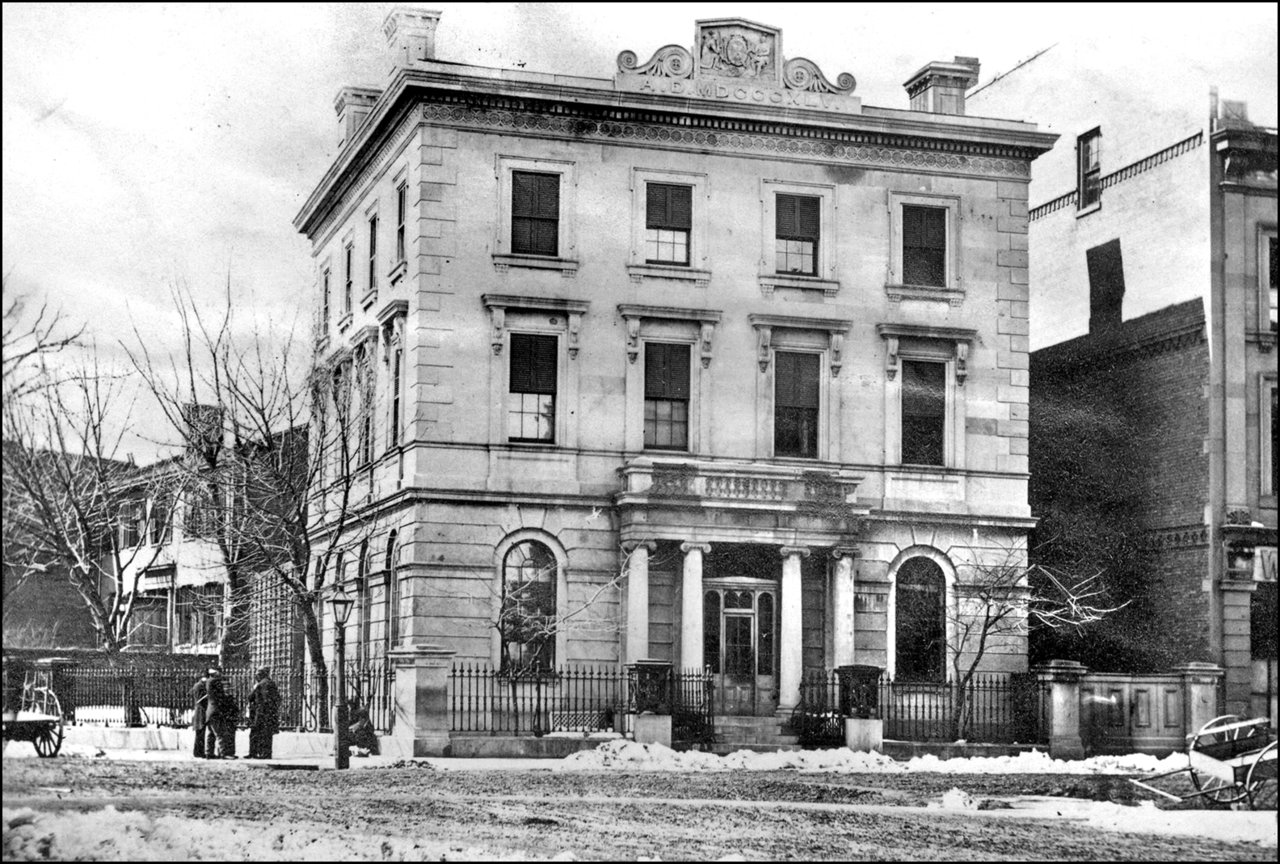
{"x": 629, "y": 755}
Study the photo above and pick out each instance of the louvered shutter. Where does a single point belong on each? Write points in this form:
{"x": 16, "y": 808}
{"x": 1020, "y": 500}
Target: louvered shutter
{"x": 796, "y": 380}
{"x": 533, "y": 363}
{"x": 797, "y": 217}
{"x": 666, "y": 371}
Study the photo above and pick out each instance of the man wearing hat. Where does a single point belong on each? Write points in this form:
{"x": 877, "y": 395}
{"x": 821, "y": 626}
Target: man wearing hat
{"x": 200, "y": 700}
{"x": 220, "y": 718}
{"x": 264, "y": 715}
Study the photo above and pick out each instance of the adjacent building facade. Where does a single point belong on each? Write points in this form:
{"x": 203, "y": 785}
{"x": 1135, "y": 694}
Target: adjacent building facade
{"x": 706, "y": 362}
{"x": 1155, "y": 263}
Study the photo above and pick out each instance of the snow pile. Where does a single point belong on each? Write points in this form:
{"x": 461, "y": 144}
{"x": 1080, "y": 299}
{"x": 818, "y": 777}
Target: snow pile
{"x": 628, "y": 755}
{"x": 958, "y": 799}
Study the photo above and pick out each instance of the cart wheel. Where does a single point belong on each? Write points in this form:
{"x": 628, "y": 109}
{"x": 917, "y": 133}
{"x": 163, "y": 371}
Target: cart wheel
{"x": 49, "y": 740}
{"x": 1261, "y": 781}
{"x": 1215, "y": 788}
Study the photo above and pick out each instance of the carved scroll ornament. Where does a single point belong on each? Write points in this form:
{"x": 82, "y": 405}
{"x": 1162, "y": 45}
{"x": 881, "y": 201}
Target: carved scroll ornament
{"x": 802, "y": 74}
{"x": 669, "y": 61}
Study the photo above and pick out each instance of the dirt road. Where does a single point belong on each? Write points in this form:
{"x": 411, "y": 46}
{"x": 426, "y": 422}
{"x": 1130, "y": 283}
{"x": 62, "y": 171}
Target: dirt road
{"x": 110, "y": 810}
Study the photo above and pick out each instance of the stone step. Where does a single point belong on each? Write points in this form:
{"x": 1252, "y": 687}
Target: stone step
{"x": 727, "y": 748}
{"x": 781, "y": 740}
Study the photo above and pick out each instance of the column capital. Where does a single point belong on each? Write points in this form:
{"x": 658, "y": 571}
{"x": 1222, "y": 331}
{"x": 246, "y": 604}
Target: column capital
{"x": 633, "y": 545}
{"x": 787, "y": 551}
{"x": 688, "y": 547}
{"x": 846, "y": 552}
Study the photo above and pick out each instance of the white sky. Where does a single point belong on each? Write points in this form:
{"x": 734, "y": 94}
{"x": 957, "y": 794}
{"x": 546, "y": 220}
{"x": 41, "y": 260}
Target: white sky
{"x": 151, "y": 145}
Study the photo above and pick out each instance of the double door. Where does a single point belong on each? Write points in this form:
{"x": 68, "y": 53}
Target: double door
{"x": 740, "y": 644}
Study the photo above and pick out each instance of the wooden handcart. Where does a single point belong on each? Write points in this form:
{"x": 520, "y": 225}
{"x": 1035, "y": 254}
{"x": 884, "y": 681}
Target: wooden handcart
{"x": 38, "y": 718}
{"x": 1230, "y": 761}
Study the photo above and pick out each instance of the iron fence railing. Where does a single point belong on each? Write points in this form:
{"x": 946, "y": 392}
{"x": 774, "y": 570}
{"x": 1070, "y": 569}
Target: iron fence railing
{"x": 992, "y": 709}
{"x": 570, "y": 699}
{"x": 370, "y": 683}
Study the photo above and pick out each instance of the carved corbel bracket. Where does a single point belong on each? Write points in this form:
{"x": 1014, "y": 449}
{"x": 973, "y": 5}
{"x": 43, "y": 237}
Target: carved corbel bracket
{"x": 633, "y": 339}
{"x": 764, "y": 336}
{"x": 962, "y": 362}
{"x": 708, "y": 330}
{"x": 498, "y": 317}
{"x": 891, "y": 357}
{"x": 837, "y": 345}
{"x": 575, "y": 325}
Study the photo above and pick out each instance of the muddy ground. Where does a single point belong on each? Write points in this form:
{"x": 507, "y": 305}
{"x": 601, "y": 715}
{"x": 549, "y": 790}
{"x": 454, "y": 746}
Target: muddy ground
{"x": 55, "y": 809}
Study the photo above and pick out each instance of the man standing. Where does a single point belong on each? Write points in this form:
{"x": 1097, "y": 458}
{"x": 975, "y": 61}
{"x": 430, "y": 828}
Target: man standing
{"x": 264, "y": 715}
{"x": 220, "y": 718}
{"x": 200, "y": 701}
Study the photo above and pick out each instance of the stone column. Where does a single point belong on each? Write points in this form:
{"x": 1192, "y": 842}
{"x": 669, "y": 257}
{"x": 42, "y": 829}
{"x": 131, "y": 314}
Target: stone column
{"x": 637, "y": 647}
{"x": 691, "y": 605}
{"x": 1199, "y": 694}
{"x": 421, "y": 723}
{"x": 1062, "y": 677}
{"x": 790, "y": 641}
{"x": 842, "y": 589}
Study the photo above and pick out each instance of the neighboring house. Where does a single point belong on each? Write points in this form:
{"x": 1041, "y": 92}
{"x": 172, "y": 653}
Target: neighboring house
{"x": 1154, "y": 261}
{"x": 712, "y": 312}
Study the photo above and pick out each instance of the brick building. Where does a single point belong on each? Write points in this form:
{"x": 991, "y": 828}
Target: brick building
{"x": 1155, "y": 251}
{"x": 705, "y": 362}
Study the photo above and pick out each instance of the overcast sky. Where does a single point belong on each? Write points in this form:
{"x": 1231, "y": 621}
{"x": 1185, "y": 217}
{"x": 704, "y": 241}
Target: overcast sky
{"x": 153, "y": 145}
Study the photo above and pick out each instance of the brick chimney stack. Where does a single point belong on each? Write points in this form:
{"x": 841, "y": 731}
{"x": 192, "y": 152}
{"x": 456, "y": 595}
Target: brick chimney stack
{"x": 411, "y": 36}
{"x": 939, "y": 87}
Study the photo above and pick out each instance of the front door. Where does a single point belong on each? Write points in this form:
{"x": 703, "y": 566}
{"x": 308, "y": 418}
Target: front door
{"x": 739, "y": 630}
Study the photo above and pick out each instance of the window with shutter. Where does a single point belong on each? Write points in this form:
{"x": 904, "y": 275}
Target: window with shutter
{"x": 1089, "y": 169}
{"x": 924, "y": 245}
{"x": 531, "y": 412}
{"x": 797, "y": 231}
{"x": 668, "y": 220}
{"x": 348, "y": 252}
{"x": 795, "y": 404}
{"x": 535, "y": 213}
{"x": 666, "y": 396}
{"x": 373, "y": 253}
{"x": 402, "y": 194}
{"x": 924, "y": 412}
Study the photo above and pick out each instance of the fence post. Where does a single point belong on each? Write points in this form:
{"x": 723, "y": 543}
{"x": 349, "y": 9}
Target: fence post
{"x": 1199, "y": 694}
{"x": 1062, "y": 677}
{"x": 421, "y": 726}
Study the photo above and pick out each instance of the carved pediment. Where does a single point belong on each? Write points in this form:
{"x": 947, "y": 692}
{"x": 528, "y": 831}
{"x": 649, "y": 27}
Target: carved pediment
{"x": 736, "y": 60}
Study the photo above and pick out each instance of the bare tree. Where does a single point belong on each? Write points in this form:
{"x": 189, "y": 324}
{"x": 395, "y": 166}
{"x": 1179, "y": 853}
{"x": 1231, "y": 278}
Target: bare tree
{"x": 1000, "y": 598}
{"x": 72, "y": 503}
{"x": 272, "y": 450}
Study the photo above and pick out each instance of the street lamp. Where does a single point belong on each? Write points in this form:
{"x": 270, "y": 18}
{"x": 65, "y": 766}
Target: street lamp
{"x": 341, "y": 604}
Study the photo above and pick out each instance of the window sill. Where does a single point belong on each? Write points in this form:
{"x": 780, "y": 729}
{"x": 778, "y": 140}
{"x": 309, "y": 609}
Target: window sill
{"x": 567, "y": 267}
{"x": 1092, "y": 208}
{"x": 1264, "y": 339}
{"x": 398, "y": 271}
{"x": 344, "y": 322}
{"x": 940, "y": 293}
{"x": 828, "y": 287}
{"x": 640, "y": 272}
{"x": 369, "y": 299}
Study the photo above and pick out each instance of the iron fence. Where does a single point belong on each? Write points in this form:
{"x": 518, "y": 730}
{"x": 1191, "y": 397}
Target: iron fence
{"x": 370, "y": 684}
{"x": 991, "y": 709}
{"x": 483, "y": 700}
{"x": 692, "y": 709}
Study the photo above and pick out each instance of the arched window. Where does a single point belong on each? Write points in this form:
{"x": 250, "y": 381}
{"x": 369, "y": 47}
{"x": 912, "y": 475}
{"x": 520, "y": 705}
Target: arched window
{"x": 363, "y": 603}
{"x": 920, "y": 609}
{"x": 391, "y": 595}
{"x": 527, "y": 622}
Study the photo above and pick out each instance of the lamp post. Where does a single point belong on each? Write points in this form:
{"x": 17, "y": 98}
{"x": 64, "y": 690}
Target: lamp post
{"x": 341, "y": 604}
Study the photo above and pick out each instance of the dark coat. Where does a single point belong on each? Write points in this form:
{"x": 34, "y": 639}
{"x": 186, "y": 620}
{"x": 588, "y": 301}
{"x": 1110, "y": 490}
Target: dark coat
{"x": 264, "y": 706}
{"x": 200, "y": 701}
{"x": 222, "y": 707}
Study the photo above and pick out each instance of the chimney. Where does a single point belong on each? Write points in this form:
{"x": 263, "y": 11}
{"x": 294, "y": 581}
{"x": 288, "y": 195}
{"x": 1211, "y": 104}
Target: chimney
{"x": 1106, "y": 286}
{"x": 353, "y": 105}
{"x": 939, "y": 87}
{"x": 411, "y": 37}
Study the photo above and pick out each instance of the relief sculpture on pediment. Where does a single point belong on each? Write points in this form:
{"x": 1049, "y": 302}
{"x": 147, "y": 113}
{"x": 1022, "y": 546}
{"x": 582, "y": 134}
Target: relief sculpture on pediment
{"x": 737, "y": 52}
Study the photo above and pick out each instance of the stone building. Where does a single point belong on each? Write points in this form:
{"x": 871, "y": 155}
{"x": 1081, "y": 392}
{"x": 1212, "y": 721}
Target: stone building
{"x": 1154, "y": 243}
{"x": 704, "y": 362}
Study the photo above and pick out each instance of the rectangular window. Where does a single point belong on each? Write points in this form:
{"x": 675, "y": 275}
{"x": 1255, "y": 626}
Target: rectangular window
{"x": 373, "y": 252}
{"x": 393, "y": 434}
{"x": 161, "y": 520}
{"x": 1269, "y": 273}
{"x": 1089, "y": 174}
{"x": 924, "y": 245}
{"x": 531, "y": 413}
{"x": 364, "y": 392}
{"x": 149, "y": 621}
{"x": 666, "y": 396}
{"x": 349, "y": 276}
{"x": 402, "y": 195}
{"x": 796, "y": 231}
{"x": 924, "y": 412}
{"x": 130, "y": 524}
{"x": 324, "y": 309}
{"x": 199, "y": 613}
{"x": 535, "y": 213}
{"x": 667, "y": 221}
{"x": 795, "y": 399}
{"x": 1267, "y": 444}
